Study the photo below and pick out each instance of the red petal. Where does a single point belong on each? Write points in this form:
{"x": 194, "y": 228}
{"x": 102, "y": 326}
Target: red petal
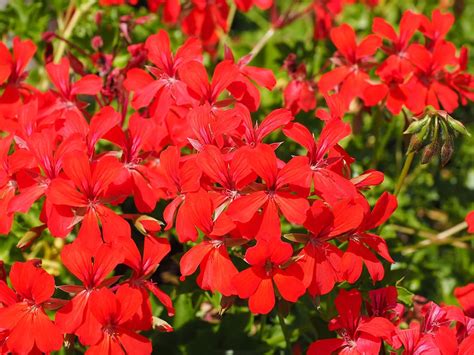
{"x": 87, "y": 85}
{"x": 245, "y": 207}
{"x": 344, "y": 39}
{"x": 293, "y": 207}
{"x": 48, "y": 338}
{"x": 289, "y": 283}
{"x": 31, "y": 282}
{"x": 247, "y": 281}
{"x": 192, "y": 258}
{"x": 325, "y": 346}
{"x": 263, "y": 300}
{"x": 333, "y": 78}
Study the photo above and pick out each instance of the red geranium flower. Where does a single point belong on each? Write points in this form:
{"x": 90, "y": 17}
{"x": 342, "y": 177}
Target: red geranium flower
{"x": 23, "y": 317}
{"x": 114, "y": 333}
{"x": 359, "y": 334}
{"x": 270, "y": 265}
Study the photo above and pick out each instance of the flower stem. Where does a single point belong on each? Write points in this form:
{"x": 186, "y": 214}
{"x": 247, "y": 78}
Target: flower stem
{"x": 261, "y": 43}
{"x": 404, "y": 173}
{"x": 81, "y": 10}
{"x": 263, "y": 321}
{"x": 285, "y": 331}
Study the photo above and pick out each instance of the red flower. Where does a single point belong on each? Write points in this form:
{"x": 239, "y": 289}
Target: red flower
{"x": 177, "y": 180}
{"x": 242, "y": 89}
{"x": 252, "y": 134}
{"x": 350, "y": 75}
{"x": 360, "y": 334}
{"x": 171, "y": 9}
{"x": 231, "y": 171}
{"x": 275, "y": 194}
{"x": 409, "y": 23}
{"x": 299, "y": 94}
{"x": 114, "y": 334}
{"x": 360, "y": 242}
{"x": 436, "y": 29}
{"x": 92, "y": 270}
{"x": 195, "y": 76}
{"x": 270, "y": 265}
{"x": 136, "y": 174}
{"x": 59, "y": 75}
{"x": 82, "y": 198}
{"x": 205, "y": 18}
{"x": 211, "y": 254}
{"x": 8, "y": 185}
{"x": 12, "y": 67}
{"x": 383, "y": 303}
{"x": 23, "y": 317}
{"x": 324, "y": 167}
{"x": 34, "y": 183}
{"x": 144, "y": 266}
{"x": 320, "y": 260}
{"x": 428, "y": 86}
{"x": 166, "y": 88}
{"x": 470, "y": 222}
{"x": 324, "y": 12}
{"x": 393, "y": 89}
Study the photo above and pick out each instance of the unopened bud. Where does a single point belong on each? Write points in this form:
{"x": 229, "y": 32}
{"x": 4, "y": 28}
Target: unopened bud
{"x": 416, "y": 143}
{"x": 226, "y": 303}
{"x": 146, "y": 224}
{"x": 417, "y": 125}
{"x": 30, "y": 236}
{"x": 447, "y": 150}
{"x": 458, "y": 126}
{"x": 429, "y": 151}
{"x": 161, "y": 325}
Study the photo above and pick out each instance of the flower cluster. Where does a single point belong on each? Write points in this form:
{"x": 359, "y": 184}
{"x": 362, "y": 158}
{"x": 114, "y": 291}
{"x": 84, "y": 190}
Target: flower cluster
{"x": 190, "y": 141}
{"x": 260, "y": 226}
{"x": 419, "y": 67}
{"x": 209, "y": 20}
{"x": 429, "y": 328}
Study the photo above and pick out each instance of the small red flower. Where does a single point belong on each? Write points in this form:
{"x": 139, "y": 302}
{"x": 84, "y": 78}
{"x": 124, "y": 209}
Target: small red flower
{"x": 114, "y": 333}
{"x": 359, "y": 334}
{"x": 23, "y": 317}
{"x": 271, "y": 266}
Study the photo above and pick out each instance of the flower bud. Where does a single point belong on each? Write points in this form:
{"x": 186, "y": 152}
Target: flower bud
{"x": 447, "y": 150}
{"x": 429, "y": 151}
{"x": 30, "y": 236}
{"x": 161, "y": 325}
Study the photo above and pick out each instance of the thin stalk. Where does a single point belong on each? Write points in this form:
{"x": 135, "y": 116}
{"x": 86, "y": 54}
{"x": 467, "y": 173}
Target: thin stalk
{"x": 224, "y": 36}
{"x": 283, "y": 21}
{"x": 377, "y": 134}
{"x": 441, "y": 238}
{"x": 404, "y": 173}
{"x": 261, "y": 43}
{"x": 286, "y": 333}
{"x": 81, "y": 10}
{"x": 263, "y": 321}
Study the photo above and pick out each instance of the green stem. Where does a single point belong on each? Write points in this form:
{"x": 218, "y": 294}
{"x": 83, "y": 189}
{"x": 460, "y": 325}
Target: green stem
{"x": 263, "y": 321}
{"x": 439, "y": 239}
{"x": 225, "y": 40}
{"x": 286, "y": 333}
{"x": 404, "y": 173}
{"x": 261, "y": 43}
{"x": 81, "y": 10}
{"x": 377, "y": 133}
